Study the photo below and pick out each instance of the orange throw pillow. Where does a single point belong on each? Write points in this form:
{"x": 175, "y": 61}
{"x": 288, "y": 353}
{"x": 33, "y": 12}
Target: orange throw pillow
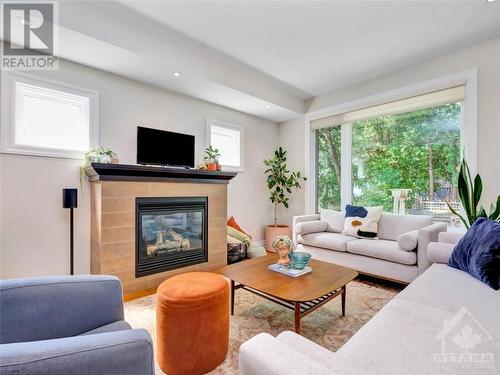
{"x": 233, "y": 224}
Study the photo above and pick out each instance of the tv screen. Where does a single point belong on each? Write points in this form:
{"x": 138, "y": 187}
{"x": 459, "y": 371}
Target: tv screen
{"x": 160, "y": 147}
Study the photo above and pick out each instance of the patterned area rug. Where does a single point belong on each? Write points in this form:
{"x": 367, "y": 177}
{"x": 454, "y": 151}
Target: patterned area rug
{"x": 253, "y": 315}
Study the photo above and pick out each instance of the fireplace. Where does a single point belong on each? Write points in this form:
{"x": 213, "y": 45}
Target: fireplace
{"x": 171, "y": 232}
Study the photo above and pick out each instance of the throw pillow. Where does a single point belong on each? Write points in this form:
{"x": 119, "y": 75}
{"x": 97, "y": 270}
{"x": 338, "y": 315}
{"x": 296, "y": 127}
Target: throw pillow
{"x": 361, "y": 221}
{"x": 256, "y": 251}
{"x": 231, "y": 222}
{"x": 408, "y": 241}
{"x": 478, "y": 252}
{"x": 239, "y": 235}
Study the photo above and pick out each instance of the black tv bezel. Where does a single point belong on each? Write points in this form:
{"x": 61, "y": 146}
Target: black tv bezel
{"x": 162, "y": 164}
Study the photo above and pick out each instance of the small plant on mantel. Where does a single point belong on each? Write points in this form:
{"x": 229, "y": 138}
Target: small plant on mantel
{"x": 97, "y": 155}
{"x": 280, "y": 182}
{"x": 211, "y": 158}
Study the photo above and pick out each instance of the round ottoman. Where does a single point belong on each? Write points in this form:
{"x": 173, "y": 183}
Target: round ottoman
{"x": 192, "y": 323}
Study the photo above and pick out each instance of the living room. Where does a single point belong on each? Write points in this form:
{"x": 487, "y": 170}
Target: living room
{"x": 161, "y": 131}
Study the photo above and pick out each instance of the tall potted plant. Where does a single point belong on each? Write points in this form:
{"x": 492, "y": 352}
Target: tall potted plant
{"x": 280, "y": 182}
{"x": 470, "y": 195}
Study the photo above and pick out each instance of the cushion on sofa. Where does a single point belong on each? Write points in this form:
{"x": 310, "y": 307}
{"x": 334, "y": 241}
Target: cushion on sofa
{"x": 326, "y": 240}
{"x": 390, "y": 225}
{"x": 478, "y": 252}
{"x": 382, "y": 249}
{"x": 311, "y": 227}
{"x": 361, "y": 221}
{"x": 334, "y": 219}
{"x": 408, "y": 241}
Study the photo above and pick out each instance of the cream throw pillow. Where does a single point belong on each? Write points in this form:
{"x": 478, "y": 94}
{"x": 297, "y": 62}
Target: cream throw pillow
{"x": 362, "y": 222}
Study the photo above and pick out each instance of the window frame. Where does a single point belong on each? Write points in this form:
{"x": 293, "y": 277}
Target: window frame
{"x": 211, "y": 122}
{"x": 468, "y": 127}
{"x": 10, "y": 104}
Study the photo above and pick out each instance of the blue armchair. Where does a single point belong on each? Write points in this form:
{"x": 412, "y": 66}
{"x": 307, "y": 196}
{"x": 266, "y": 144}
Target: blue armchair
{"x": 69, "y": 325}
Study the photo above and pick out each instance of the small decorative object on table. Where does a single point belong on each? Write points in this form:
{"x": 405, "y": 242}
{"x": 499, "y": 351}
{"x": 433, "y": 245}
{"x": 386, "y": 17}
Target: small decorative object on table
{"x": 300, "y": 260}
{"x": 288, "y": 271}
{"x": 283, "y": 245}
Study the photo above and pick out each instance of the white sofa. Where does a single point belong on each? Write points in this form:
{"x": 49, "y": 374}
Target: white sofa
{"x": 398, "y": 254}
{"x": 412, "y": 334}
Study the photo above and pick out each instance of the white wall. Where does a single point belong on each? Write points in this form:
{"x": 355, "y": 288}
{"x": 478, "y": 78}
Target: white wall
{"x": 292, "y": 140}
{"x": 33, "y": 226}
{"x": 484, "y": 56}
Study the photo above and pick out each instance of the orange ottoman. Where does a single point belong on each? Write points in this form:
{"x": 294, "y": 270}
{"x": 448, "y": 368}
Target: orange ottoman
{"x": 192, "y": 323}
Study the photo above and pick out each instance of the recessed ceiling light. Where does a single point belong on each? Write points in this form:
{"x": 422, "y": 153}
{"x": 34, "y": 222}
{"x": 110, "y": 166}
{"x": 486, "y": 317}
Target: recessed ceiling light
{"x": 269, "y": 106}
{"x": 177, "y": 74}
{"x": 490, "y": 1}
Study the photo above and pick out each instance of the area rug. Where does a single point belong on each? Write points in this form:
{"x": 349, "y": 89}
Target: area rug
{"x": 253, "y": 315}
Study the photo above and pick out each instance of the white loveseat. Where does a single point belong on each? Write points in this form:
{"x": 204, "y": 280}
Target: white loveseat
{"x": 444, "y": 322}
{"x": 398, "y": 253}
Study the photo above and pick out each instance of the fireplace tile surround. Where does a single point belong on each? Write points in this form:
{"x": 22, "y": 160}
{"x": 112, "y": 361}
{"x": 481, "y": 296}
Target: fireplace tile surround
{"x": 113, "y": 220}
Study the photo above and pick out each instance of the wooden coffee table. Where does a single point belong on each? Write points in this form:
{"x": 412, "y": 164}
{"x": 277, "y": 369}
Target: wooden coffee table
{"x": 303, "y": 294}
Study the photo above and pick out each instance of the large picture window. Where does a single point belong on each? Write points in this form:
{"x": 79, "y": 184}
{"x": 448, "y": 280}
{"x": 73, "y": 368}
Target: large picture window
{"x": 406, "y": 161}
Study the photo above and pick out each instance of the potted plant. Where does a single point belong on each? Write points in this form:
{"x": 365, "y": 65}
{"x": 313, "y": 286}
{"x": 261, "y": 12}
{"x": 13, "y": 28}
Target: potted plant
{"x": 97, "y": 155}
{"x": 470, "y": 195}
{"x": 211, "y": 158}
{"x": 280, "y": 182}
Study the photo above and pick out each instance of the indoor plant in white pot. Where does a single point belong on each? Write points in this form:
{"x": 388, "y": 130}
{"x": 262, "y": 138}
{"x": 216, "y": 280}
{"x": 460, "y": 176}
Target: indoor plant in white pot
{"x": 280, "y": 182}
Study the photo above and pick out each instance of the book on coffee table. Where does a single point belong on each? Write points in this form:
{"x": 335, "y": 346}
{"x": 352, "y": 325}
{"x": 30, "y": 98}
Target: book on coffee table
{"x": 288, "y": 271}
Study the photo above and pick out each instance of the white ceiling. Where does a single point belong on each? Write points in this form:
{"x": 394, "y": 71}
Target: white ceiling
{"x": 266, "y": 58}
{"x": 319, "y": 46}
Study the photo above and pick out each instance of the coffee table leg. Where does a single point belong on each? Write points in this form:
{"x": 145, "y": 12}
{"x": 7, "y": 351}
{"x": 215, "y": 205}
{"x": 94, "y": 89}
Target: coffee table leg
{"x": 232, "y": 297}
{"x": 343, "y": 300}
{"x": 297, "y": 317}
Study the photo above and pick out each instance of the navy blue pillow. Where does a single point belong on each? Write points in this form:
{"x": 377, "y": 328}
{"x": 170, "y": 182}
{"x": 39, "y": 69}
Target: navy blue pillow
{"x": 478, "y": 252}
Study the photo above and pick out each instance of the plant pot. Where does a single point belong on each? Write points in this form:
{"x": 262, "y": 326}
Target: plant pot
{"x": 212, "y": 166}
{"x": 274, "y": 231}
{"x": 219, "y": 167}
{"x": 106, "y": 159}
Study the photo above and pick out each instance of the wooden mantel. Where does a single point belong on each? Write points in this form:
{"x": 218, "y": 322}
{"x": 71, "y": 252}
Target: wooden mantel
{"x": 115, "y": 188}
{"x": 128, "y": 172}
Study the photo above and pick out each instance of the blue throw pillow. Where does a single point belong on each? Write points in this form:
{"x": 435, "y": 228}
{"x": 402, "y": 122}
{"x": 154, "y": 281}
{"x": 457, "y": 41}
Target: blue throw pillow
{"x": 478, "y": 252}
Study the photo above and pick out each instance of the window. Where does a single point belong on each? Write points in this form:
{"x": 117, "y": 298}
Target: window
{"x": 328, "y": 167}
{"x": 406, "y": 158}
{"x": 229, "y": 140}
{"x": 47, "y": 119}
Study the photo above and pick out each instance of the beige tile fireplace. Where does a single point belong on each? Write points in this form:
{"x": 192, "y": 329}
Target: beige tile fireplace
{"x": 113, "y": 217}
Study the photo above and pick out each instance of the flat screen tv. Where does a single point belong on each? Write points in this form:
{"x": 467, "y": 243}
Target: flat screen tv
{"x": 160, "y": 147}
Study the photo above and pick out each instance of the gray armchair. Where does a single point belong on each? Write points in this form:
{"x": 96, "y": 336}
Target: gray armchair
{"x": 69, "y": 325}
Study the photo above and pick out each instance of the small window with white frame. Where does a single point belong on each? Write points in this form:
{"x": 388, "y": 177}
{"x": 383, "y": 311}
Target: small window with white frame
{"x": 44, "y": 118}
{"x": 229, "y": 140}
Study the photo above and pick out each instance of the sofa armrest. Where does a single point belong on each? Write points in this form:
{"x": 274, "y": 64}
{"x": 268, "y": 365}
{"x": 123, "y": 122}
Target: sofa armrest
{"x": 450, "y": 237}
{"x": 44, "y": 308}
{"x": 439, "y": 252}
{"x": 264, "y": 354}
{"x": 302, "y": 219}
{"x": 128, "y": 352}
{"x": 427, "y": 235}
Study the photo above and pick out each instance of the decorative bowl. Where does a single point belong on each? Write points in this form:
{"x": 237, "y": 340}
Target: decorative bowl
{"x": 300, "y": 259}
